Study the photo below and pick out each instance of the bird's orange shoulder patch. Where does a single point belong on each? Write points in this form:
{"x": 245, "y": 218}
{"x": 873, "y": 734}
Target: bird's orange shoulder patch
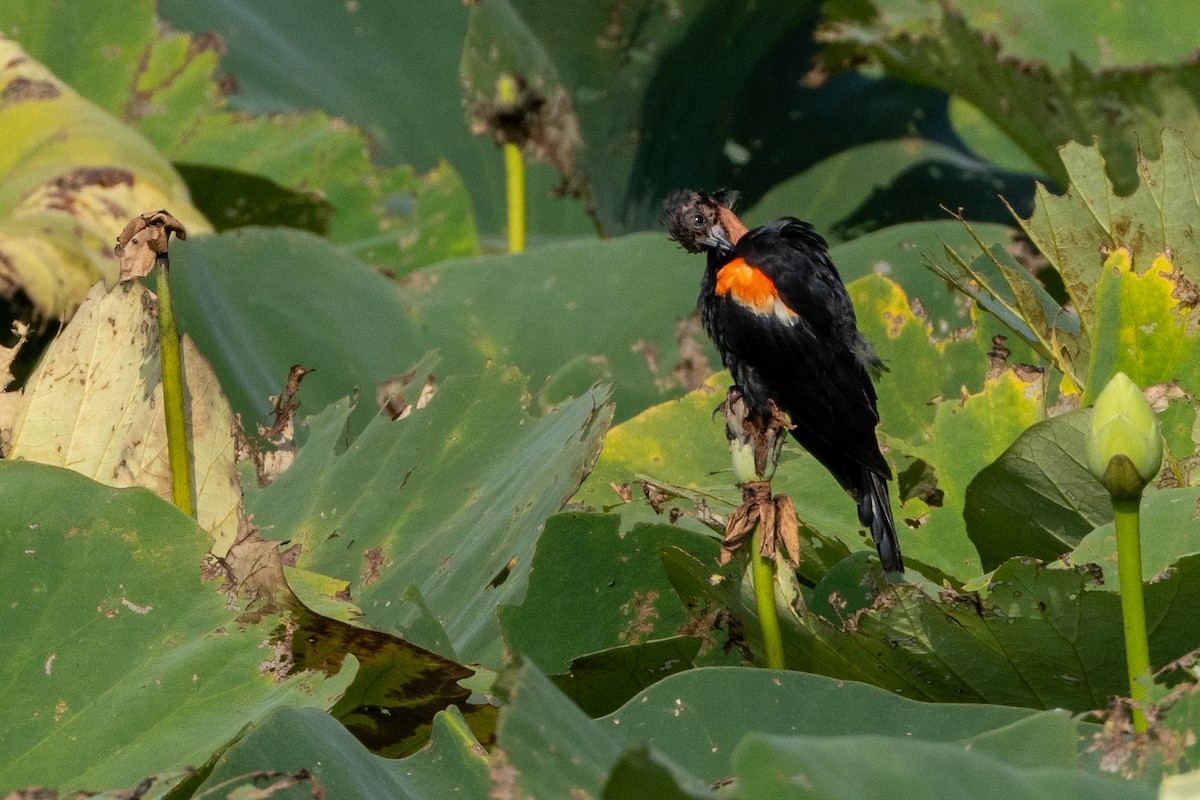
{"x": 751, "y": 288}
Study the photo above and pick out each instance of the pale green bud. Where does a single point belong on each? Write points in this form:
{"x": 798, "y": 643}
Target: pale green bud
{"x": 1124, "y": 446}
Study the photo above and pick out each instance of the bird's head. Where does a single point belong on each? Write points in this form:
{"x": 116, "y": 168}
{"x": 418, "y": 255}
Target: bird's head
{"x": 700, "y": 222}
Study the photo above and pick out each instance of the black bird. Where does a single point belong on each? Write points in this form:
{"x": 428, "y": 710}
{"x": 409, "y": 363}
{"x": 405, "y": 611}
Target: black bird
{"x": 774, "y": 305}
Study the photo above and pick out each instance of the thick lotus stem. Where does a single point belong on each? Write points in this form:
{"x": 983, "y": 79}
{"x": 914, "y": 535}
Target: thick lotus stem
{"x": 1124, "y": 451}
{"x": 141, "y": 247}
{"x": 514, "y": 174}
{"x": 769, "y": 522}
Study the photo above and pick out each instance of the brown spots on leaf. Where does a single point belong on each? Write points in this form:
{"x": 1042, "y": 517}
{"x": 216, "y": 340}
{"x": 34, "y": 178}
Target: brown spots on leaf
{"x": 655, "y": 496}
{"x": 149, "y": 82}
{"x": 503, "y": 778}
{"x": 281, "y": 664}
{"x": 1186, "y": 292}
{"x": 1161, "y": 394}
{"x": 708, "y": 622}
{"x": 894, "y": 322}
{"x": 693, "y": 368}
{"x": 642, "y": 613}
{"x": 10, "y": 280}
{"x": 649, "y": 351}
{"x": 104, "y": 177}
{"x": 997, "y": 356}
{"x": 373, "y": 562}
{"x": 21, "y": 89}
{"x": 252, "y": 568}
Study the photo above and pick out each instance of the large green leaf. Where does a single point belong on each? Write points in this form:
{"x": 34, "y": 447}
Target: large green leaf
{"x": 1064, "y": 33}
{"x": 164, "y": 84}
{"x": 545, "y": 745}
{"x": 119, "y": 660}
{"x": 257, "y": 301}
{"x": 1058, "y": 31}
{"x": 876, "y": 767}
{"x": 1038, "y": 498}
{"x": 393, "y": 70}
{"x": 613, "y": 581}
{"x": 690, "y": 727}
{"x": 567, "y": 315}
{"x": 882, "y": 184}
{"x": 1170, "y": 531}
{"x": 575, "y": 313}
{"x": 1035, "y": 636}
{"x": 449, "y": 500}
{"x": 1038, "y": 106}
{"x": 966, "y": 436}
{"x": 290, "y": 740}
{"x": 697, "y": 718}
{"x": 71, "y": 176}
{"x": 600, "y": 682}
{"x": 392, "y": 218}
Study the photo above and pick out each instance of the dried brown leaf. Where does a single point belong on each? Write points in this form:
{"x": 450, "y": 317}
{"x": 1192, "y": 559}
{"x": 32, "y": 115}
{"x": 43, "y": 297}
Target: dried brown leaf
{"x": 144, "y": 240}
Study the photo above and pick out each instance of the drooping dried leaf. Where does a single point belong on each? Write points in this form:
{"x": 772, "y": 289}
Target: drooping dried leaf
{"x": 144, "y": 239}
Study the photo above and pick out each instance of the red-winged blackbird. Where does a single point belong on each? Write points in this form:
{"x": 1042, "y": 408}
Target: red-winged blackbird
{"x": 778, "y": 312}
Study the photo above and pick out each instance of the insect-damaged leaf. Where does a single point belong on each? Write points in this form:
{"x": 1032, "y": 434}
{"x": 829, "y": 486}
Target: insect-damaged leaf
{"x": 119, "y": 660}
{"x": 450, "y": 500}
{"x": 1129, "y": 264}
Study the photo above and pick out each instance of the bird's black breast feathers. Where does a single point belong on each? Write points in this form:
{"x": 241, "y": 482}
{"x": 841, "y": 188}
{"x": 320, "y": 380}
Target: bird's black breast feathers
{"x": 779, "y": 314}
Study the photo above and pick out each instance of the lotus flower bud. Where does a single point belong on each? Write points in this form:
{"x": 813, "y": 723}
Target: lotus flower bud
{"x": 1124, "y": 446}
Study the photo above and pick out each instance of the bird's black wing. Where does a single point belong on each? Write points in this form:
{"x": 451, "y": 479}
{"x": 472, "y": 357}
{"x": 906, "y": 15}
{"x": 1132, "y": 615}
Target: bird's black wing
{"x": 813, "y": 362}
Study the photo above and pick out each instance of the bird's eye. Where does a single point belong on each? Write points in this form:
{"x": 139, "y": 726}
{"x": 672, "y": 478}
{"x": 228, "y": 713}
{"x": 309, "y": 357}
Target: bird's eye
{"x": 698, "y": 220}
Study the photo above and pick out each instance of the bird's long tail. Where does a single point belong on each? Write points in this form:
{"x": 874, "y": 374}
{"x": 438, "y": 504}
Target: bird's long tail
{"x": 875, "y": 512}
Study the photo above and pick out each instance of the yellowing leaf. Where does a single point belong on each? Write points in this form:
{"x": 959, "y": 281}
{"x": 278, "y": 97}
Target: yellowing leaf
{"x": 1141, "y": 327}
{"x": 94, "y": 405}
{"x": 967, "y": 434}
{"x": 70, "y": 177}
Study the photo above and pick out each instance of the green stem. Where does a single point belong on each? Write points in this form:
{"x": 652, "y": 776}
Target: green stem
{"x": 1133, "y": 607}
{"x": 514, "y": 175}
{"x": 764, "y": 597}
{"x": 172, "y": 379}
